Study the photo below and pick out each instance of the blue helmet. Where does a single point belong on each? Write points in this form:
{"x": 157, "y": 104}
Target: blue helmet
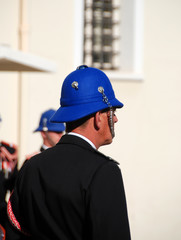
{"x": 45, "y": 124}
{"x": 85, "y": 91}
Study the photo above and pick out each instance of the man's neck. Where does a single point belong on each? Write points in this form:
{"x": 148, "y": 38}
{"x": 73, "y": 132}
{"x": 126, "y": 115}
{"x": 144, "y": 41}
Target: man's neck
{"x": 83, "y": 137}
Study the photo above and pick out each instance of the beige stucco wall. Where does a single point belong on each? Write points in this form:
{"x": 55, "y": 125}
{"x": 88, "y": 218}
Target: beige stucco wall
{"x": 148, "y": 134}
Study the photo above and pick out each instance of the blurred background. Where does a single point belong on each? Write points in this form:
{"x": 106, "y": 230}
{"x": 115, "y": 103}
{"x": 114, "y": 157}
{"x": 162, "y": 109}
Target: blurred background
{"x": 138, "y": 45}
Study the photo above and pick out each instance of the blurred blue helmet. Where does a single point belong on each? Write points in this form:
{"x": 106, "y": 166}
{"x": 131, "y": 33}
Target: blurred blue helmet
{"x": 85, "y": 91}
{"x": 45, "y": 124}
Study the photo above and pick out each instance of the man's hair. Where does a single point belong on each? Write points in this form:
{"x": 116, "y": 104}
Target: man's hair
{"x": 70, "y": 126}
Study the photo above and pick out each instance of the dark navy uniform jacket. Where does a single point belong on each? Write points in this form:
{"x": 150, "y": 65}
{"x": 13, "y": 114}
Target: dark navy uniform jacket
{"x": 69, "y": 192}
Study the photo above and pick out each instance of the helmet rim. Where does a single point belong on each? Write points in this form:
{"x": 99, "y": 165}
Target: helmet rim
{"x": 76, "y": 112}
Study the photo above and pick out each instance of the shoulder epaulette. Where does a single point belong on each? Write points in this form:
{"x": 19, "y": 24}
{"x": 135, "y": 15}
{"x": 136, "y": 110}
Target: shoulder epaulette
{"x": 107, "y": 157}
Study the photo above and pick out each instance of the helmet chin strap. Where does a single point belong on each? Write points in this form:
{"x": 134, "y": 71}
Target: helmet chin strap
{"x": 45, "y": 129}
{"x": 111, "y": 122}
{"x": 111, "y": 112}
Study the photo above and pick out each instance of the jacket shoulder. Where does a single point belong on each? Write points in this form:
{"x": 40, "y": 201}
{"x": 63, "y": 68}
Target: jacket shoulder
{"x": 28, "y": 156}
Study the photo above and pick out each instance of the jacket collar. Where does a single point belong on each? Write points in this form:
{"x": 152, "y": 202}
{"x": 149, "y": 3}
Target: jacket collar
{"x": 75, "y": 140}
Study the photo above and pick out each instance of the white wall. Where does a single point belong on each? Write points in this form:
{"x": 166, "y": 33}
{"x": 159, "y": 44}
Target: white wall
{"x": 8, "y": 81}
{"x": 148, "y": 134}
{"x": 149, "y": 129}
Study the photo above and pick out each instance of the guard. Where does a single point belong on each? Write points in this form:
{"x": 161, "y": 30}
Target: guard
{"x": 50, "y": 132}
{"x": 72, "y": 190}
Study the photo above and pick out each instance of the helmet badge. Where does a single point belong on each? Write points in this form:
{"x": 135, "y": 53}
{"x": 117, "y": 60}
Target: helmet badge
{"x": 101, "y": 89}
{"x": 75, "y": 85}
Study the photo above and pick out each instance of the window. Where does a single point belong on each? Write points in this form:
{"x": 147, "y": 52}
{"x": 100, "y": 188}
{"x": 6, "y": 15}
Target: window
{"x": 109, "y": 36}
{"x": 101, "y": 33}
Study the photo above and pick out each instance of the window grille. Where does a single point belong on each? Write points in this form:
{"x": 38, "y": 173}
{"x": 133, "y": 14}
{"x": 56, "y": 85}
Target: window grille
{"x": 102, "y": 33}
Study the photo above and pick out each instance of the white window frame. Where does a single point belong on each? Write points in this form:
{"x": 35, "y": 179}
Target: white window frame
{"x": 132, "y": 40}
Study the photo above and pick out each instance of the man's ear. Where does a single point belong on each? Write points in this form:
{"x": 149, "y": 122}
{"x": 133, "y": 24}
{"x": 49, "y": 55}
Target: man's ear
{"x": 97, "y": 120}
{"x": 43, "y": 135}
